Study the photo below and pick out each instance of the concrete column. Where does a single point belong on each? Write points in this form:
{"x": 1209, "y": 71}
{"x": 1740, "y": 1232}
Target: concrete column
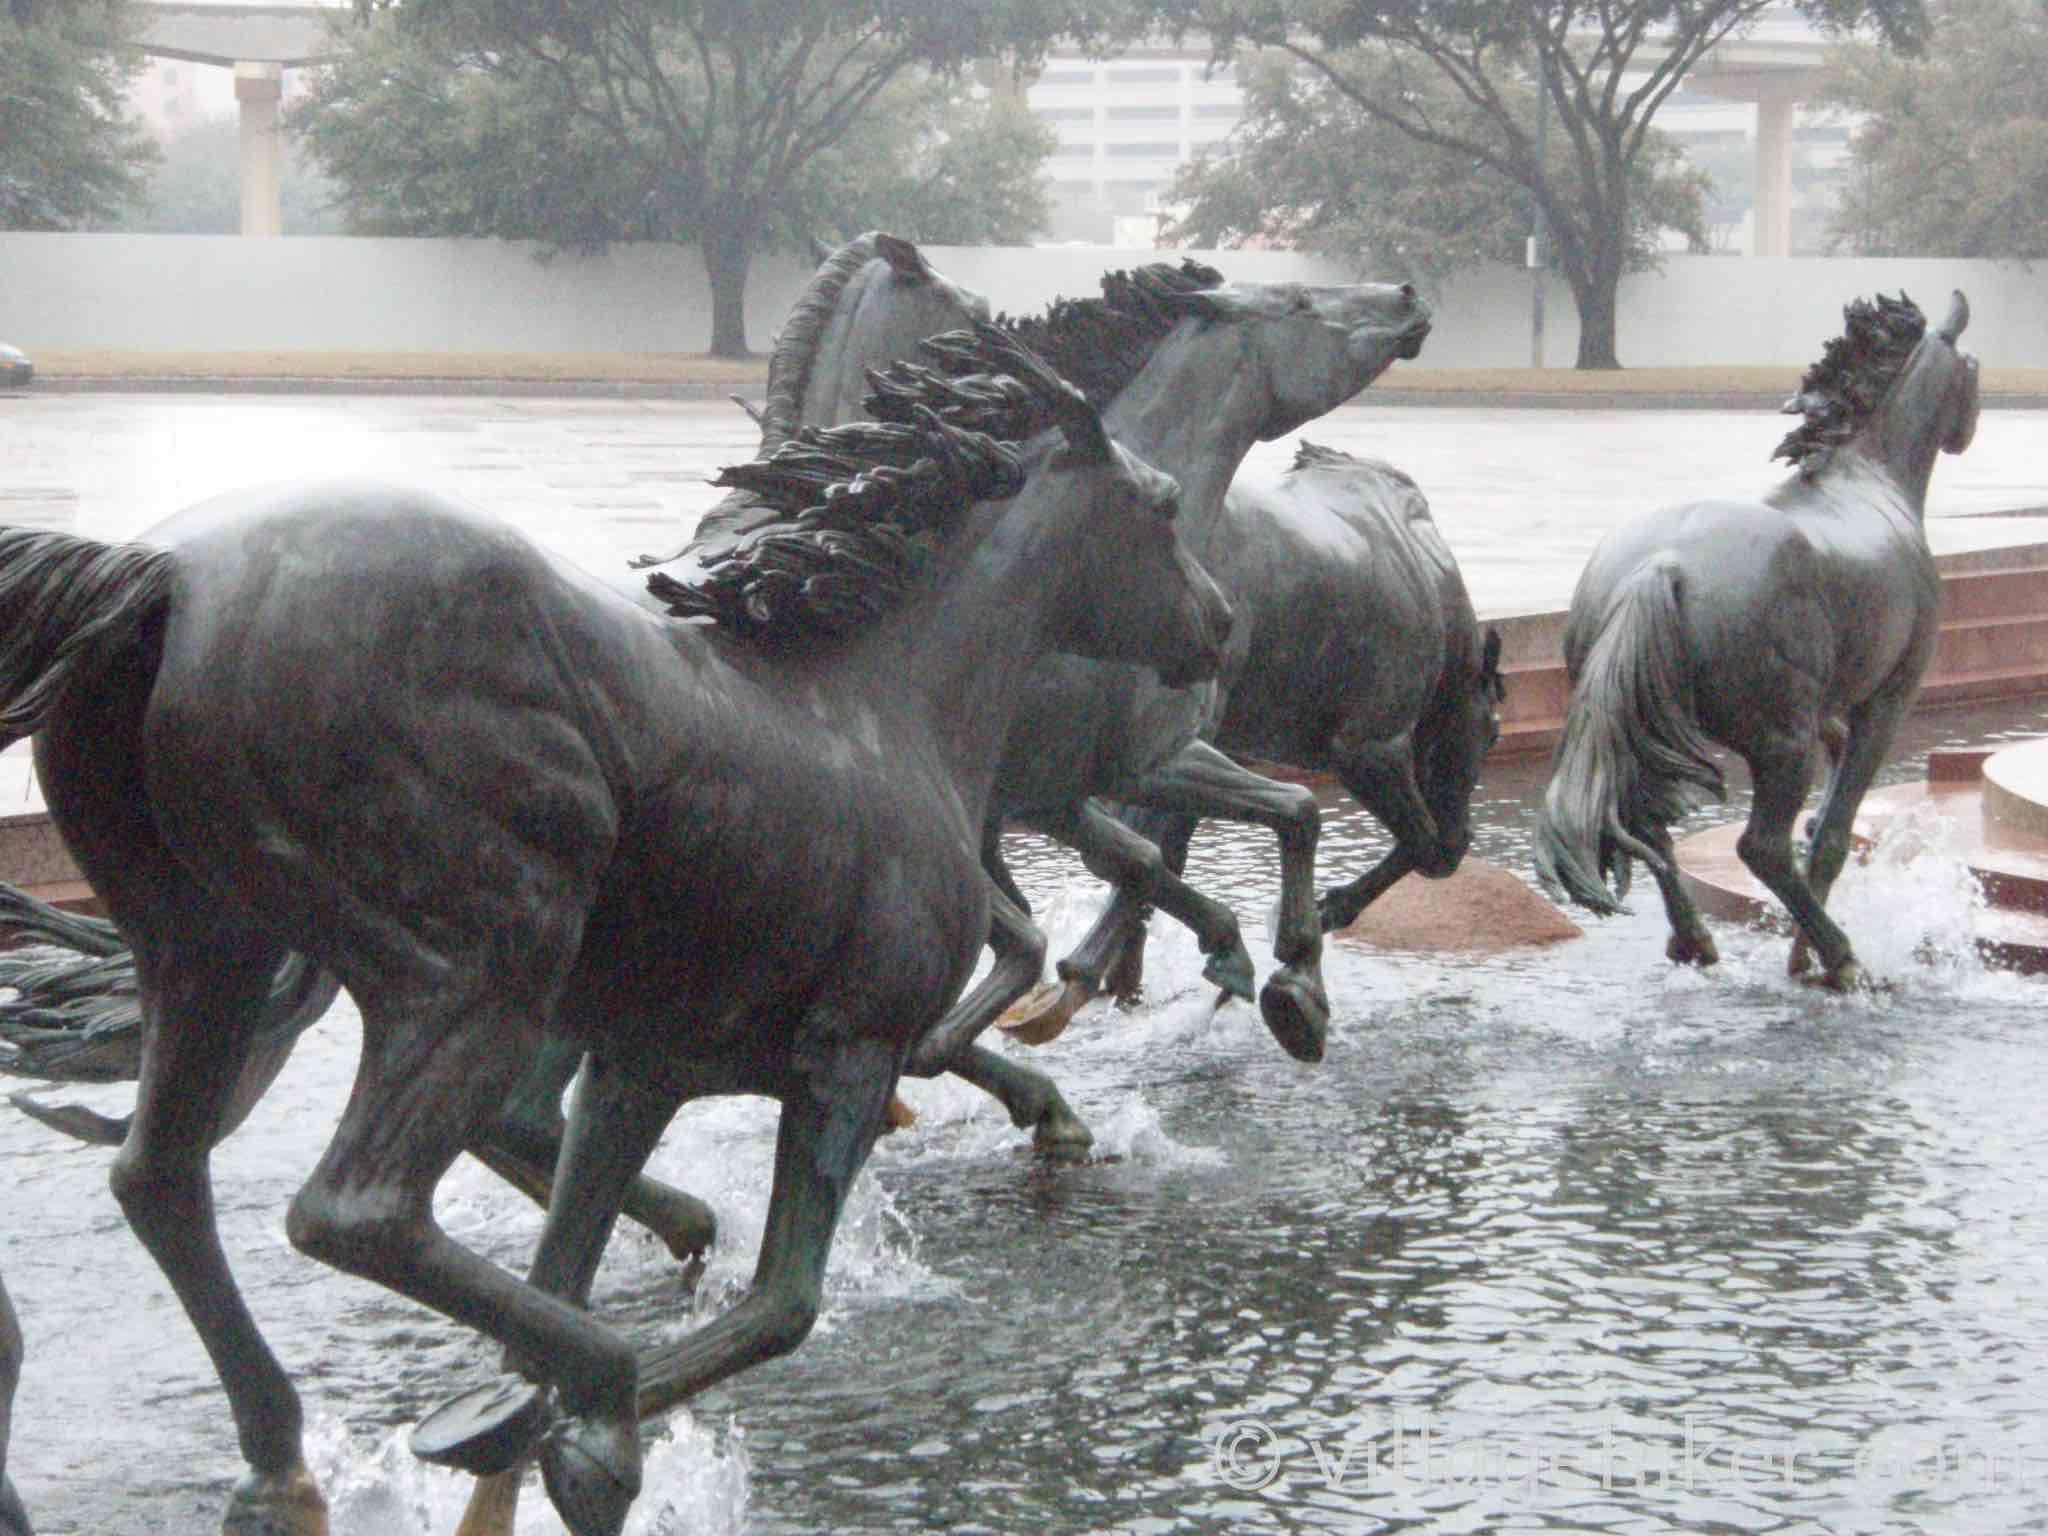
{"x": 1773, "y": 216}
{"x": 259, "y": 88}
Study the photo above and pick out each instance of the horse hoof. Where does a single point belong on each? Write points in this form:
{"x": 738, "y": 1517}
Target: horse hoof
{"x": 1060, "y": 1135}
{"x": 685, "y": 1226}
{"x": 1800, "y": 961}
{"x": 1699, "y": 951}
{"x": 1297, "y": 1012}
{"x": 13, "y": 1514}
{"x": 486, "y": 1430}
{"x": 1044, "y": 1016}
{"x": 591, "y": 1469}
{"x": 1231, "y": 969}
{"x": 286, "y": 1504}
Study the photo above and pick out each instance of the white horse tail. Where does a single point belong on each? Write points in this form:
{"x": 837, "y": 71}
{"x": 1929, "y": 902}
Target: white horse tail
{"x": 1633, "y": 758}
{"x": 68, "y": 608}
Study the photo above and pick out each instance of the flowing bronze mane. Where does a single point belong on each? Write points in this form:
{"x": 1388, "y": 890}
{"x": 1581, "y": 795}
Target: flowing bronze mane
{"x": 863, "y": 504}
{"x": 1102, "y": 344}
{"x": 1855, "y": 372}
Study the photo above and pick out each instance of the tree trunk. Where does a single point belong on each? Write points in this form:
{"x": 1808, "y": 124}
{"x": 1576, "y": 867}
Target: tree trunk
{"x": 1596, "y": 299}
{"x": 727, "y": 255}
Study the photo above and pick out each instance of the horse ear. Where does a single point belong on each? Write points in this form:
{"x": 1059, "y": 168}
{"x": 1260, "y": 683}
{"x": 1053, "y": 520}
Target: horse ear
{"x": 904, "y": 258}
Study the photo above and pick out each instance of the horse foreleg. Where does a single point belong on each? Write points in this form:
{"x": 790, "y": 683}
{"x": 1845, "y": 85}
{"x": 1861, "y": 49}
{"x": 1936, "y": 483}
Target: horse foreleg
{"x": 437, "y": 1063}
{"x": 830, "y": 1119}
{"x": 524, "y": 1142}
{"x": 1340, "y": 906}
{"x": 1138, "y": 869}
{"x": 1202, "y": 782}
{"x": 615, "y": 1122}
{"x": 13, "y": 1518}
{"x": 1019, "y": 950}
{"x": 1033, "y": 1100}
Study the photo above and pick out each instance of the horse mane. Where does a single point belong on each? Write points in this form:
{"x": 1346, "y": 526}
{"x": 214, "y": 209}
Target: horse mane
{"x": 857, "y": 509}
{"x": 1838, "y": 394}
{"x": 1102, "y": 344}
{"x": 796, "y": 347}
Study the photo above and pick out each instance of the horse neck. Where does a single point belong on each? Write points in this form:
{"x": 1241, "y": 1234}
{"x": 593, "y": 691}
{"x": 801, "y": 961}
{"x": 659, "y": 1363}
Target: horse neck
{"x": 955, "y": 653}
{"x": 1904, "y": 435}
{"x": 1194, "y": 411}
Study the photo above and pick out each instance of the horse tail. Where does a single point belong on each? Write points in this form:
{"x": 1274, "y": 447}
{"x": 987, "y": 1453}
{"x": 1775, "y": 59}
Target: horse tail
{"x": 68, "y": 608}
{"x": 1633, "y": 758}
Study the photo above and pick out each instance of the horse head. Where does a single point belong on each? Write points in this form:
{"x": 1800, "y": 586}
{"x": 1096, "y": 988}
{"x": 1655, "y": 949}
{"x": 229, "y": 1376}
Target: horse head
{"x": 1318, "y": 345}
{"x": 869, "y": 303}
{"x": 1130, "y": 591}
{"x": 1452, "y": 742}
{"x": 1890, "y": 384}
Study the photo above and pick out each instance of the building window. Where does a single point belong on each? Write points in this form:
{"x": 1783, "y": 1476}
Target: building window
{"x": 1144, "y": 114}
{"x": 1154, "y": 151}
{"x": 1067, "y": 77}
{"x": 1145, "y": 74}
{"x": 1064, "y": 114}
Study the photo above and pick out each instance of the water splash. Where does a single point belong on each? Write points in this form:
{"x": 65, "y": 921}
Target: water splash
{"x": 693, "y": 1481}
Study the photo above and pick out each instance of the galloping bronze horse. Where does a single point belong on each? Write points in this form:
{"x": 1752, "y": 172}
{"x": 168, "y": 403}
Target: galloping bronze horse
{"x": 1774, "y": 627}
{"x": 1382, "y": 677}
{"x": 496, "y": 797}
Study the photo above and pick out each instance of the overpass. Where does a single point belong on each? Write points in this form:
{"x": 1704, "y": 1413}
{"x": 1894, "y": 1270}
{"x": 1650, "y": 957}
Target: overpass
{"x": 259, "y": 42}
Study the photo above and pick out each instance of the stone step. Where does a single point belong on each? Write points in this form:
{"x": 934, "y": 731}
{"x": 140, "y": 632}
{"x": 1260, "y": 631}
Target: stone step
{"x": 1993, "y": 644}
{"x": 1994, "y": 819}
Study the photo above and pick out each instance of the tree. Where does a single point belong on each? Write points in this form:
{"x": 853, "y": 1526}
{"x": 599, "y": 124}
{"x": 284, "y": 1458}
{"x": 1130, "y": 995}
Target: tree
{"x": 1604, "y": 66}
{"x": 932, "y": 162}
{"x": 1952, "y": 156}
{"x": 1306, "y": 168}
{"x": 68, "y": 153}
{"x": 682, "y": 120}
{"x": 197, "y": 188}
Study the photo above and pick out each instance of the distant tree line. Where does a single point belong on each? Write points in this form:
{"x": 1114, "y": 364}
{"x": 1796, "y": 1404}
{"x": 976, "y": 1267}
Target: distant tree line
{"x": 1407, "y": 137}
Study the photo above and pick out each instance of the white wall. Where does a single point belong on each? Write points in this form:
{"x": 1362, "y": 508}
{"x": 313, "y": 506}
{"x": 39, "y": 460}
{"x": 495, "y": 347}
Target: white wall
{"x": 226, "y": 293}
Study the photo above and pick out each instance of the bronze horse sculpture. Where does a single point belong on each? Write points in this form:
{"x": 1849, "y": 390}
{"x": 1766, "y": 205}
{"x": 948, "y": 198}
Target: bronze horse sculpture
{"x": 1361, "y": 658}
{"x": 1199, "y": 369}
{"x": 495, "y": 797}
{"x": 1779, "y": 627}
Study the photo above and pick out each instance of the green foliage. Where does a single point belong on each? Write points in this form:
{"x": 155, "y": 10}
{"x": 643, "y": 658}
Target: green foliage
{"x": 932, "y": 163}
{"x": 197, "y": 188}
{"x": 1464, "y": 76}
{"x": 1952, "y": 158}
{"x": 715, "y": 122}
{"x": 1307, "y": 168}
{"x": 69, "y": 156}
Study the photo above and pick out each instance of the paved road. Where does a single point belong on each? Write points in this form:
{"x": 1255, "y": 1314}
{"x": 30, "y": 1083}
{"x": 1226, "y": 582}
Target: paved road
{"x": 1521, "y": 495}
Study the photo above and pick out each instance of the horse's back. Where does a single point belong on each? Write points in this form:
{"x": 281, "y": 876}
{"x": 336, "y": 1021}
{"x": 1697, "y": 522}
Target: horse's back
{"x": 1353, "y": 591}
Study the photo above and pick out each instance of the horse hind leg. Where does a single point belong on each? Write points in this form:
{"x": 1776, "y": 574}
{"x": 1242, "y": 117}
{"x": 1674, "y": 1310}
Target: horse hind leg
{"x": 1779, "y": 774}
{"x": 202, "y": 995}
{"x": 1691, "y": 943}
{"x": 1856, "y": 749}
